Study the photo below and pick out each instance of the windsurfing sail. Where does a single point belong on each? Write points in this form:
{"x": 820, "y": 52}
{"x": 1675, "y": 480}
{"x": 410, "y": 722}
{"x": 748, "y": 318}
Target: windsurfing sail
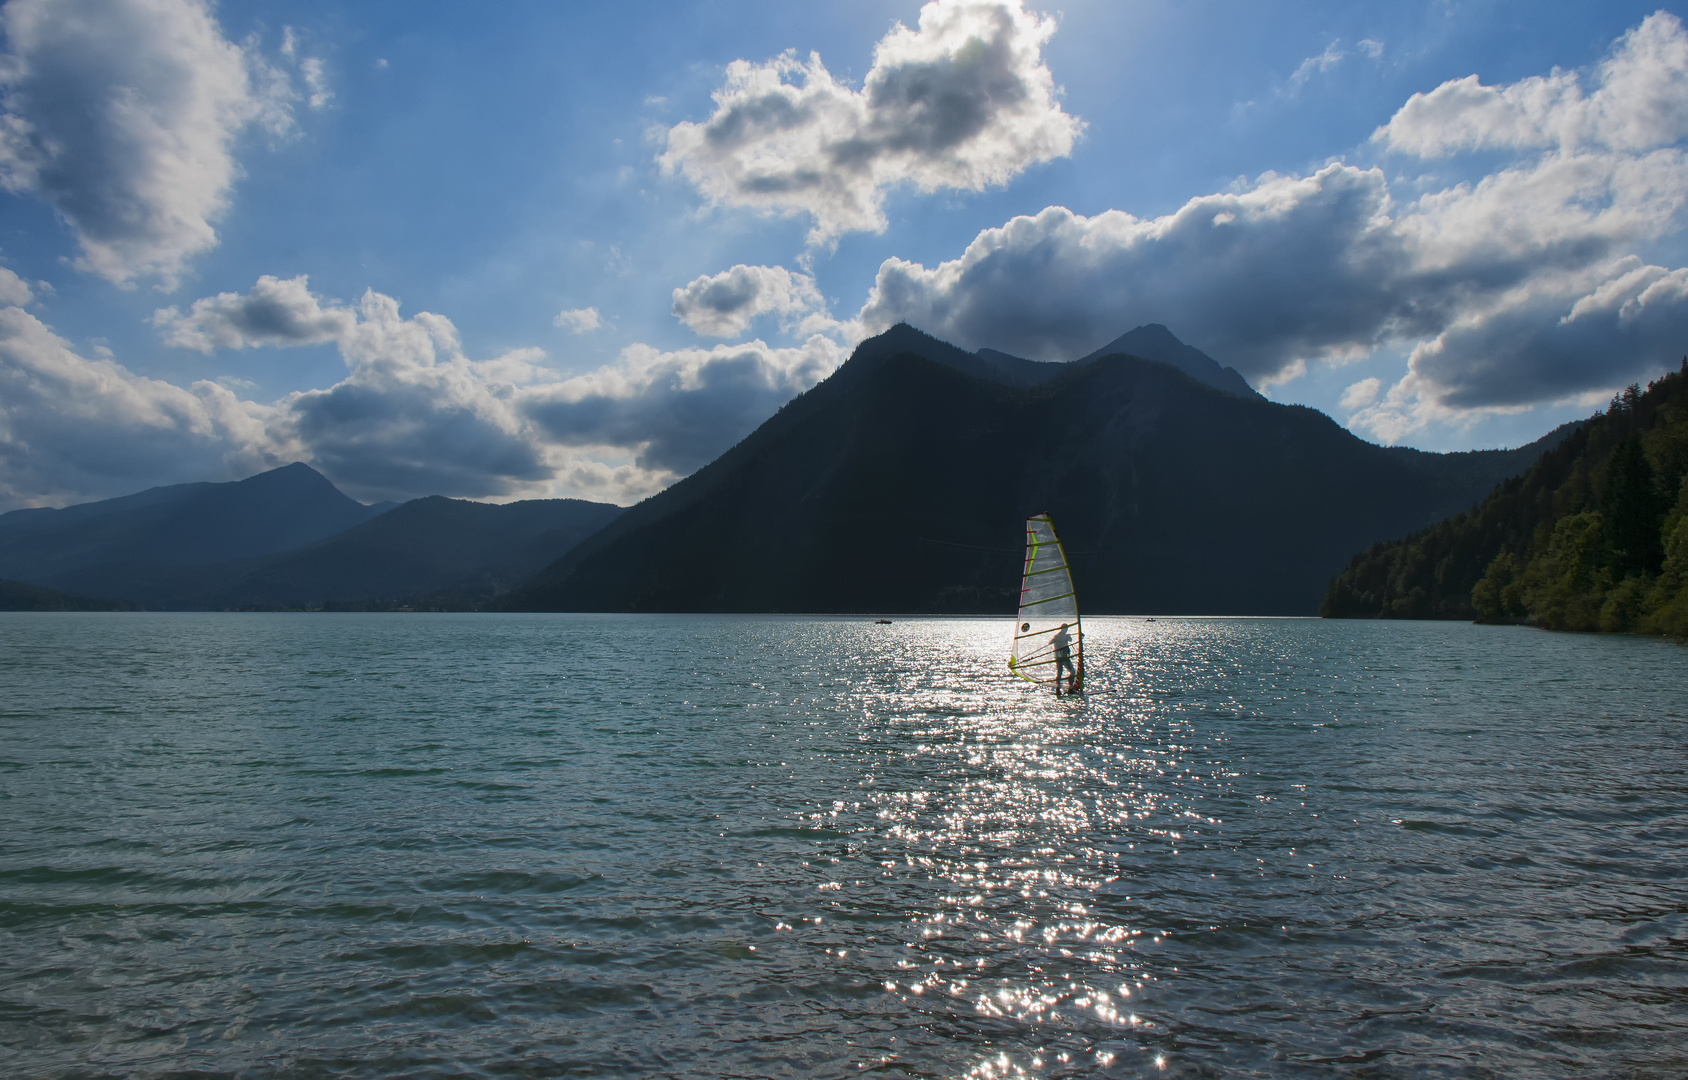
{"x": 1048, "y": 638}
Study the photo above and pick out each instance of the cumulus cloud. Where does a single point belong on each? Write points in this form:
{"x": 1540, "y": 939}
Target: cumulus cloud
{"x": 725, "y": 304}
{"x": 1328, "y": 267}
{"x": 963, "y": 102}
{"x": 122, "y": 114}
{"x": 1640, "y": 101}
{"x": 1540, "y": 348}
{"x": 680, "y": 410}
{"x": 1294, "y": 266}
{"x": 277, "y": 312}
{"x": 414, "y": 415}
{"x": 1362, "y": 393}
{"x": 75, "y": 428}
{"x": 1627, "y": 324}
{"x": 578, "y": 320}
{"x": 13, "y": 289}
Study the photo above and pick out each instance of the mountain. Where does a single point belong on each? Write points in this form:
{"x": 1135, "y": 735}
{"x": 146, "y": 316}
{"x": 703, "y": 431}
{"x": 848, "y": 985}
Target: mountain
{"x": 284, "y": 538}
{"x": 902, "y": 482}
{"x": 1155, "y": 342}
{"x": 433, "y": 545}
{"x": 1593, "y": 536}
{"x": 1002, "y": 368}
{"x": 1149, "y": 342}
{"x": 434, "y": 551}
{"x": 80, "y": 548}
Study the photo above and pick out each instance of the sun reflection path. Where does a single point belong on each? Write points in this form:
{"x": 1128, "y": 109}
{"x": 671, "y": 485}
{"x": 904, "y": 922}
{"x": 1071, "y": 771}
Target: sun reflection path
{"x": 1012, "y": 827}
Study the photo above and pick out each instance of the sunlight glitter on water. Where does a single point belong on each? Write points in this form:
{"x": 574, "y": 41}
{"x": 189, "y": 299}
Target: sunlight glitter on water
{"x": 1023, "y": 808}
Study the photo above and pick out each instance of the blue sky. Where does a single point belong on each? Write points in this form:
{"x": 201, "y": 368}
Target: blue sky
{"x": 519, "y": 250}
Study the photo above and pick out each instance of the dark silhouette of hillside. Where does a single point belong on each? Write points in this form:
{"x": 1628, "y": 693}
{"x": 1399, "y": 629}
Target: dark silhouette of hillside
{"x": 21, "y": 596}
{"x": 434, "y": 545}
{"x": 902, "y": 482}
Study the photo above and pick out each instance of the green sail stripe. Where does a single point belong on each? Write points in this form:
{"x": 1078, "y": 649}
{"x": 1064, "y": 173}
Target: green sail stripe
{"x": 1049, "y": 600}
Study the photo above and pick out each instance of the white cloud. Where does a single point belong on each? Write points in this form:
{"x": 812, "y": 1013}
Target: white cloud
{"x": 276, "y": 312}
{"x": 963, "y": 102}
{"x": 578, "y": 320}
{"x": 1317, "y": 65}
{"x": 73, "y": 428}
{"x": 122, "y": 114}
{"x": 311, "y": 69}
{"x": 1361, "y": 394}
{"x": 679, "y": 410}
{"x": 1628, "y": 325}
{"x": 1300, "y": 269}
{"x": 414, "y": 415}
{"x": 316, "y": 82}
{"x": 1371, "y": 47}
{"x": 1640, "y": 102}
{"x": 725, "y": 304}
{"x": 1292, "y": 267}
{"x": 13, "y": 289}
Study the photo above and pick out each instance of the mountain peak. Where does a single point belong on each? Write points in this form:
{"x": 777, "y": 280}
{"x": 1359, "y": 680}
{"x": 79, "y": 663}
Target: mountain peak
{"x": 1153, "y": 341}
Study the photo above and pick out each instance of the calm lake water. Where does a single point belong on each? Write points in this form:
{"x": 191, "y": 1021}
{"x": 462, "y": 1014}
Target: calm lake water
{"x": 437, "y": 845}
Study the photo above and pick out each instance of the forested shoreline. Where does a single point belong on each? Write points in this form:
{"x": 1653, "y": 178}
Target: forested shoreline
{"x": 1593, "y": 536}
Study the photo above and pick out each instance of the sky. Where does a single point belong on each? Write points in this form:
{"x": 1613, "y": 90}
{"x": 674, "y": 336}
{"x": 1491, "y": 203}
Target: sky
{"x": 525, "y": 250}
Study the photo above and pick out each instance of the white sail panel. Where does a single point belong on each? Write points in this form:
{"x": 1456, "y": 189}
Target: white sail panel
{"x": 1047, "y": 606}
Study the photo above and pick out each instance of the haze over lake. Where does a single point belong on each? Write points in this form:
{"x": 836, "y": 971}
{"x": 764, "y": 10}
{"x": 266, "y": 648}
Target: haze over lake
{"x": 374, "y": 845}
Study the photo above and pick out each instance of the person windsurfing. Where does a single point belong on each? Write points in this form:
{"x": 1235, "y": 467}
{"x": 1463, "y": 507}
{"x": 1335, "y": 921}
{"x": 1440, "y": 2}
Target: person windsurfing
{"x": 1063, "y": 643}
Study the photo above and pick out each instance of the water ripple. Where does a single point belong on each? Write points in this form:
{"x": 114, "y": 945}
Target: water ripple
{"x": 441, "y": 846}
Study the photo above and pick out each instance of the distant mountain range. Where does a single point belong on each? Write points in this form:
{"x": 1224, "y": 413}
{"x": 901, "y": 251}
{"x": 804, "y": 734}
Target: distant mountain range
{"x": 180, "y": 525}
{"x": 901, "y": 483}
{"x": 284, "y": 538}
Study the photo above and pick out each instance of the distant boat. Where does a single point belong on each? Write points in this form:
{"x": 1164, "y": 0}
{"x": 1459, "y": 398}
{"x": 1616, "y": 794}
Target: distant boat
{"x": 882, "y": 622}
{"x": 1048, "y": 637}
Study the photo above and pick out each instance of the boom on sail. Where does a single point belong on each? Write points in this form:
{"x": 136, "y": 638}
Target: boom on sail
{"x": 1048, "y": 637}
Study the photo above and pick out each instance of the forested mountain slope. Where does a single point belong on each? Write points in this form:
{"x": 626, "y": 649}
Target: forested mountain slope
{"x": 1594, "y": 536}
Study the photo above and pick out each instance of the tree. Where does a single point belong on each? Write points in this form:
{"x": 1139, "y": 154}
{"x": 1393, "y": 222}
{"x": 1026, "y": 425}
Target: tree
{"x": 1630, "y": 511}
{"x": 1499, "y": 597}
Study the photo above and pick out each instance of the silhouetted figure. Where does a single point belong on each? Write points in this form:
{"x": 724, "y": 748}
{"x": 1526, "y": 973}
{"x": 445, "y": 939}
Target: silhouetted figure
{"x": 1063, "y": 643}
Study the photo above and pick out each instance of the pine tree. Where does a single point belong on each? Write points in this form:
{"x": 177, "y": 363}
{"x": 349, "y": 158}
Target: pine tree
{"x": 1630, "y": 511}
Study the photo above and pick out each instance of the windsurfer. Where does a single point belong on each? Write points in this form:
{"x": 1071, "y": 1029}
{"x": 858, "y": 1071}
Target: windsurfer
{"x": 1063, "y": 643}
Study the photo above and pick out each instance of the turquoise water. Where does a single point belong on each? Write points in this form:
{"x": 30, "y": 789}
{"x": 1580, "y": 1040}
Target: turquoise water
{"x": 436, "y": 845}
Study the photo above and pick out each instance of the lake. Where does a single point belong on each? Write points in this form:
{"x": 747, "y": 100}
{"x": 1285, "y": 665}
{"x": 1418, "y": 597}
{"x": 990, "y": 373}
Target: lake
{"x": 482, "y": 845}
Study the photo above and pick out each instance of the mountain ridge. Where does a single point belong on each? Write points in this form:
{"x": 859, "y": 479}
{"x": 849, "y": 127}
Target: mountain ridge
{"x": 282, "y": 538}
{"x": 177, "y": 525}
{"x": 1153, "y": 341}
{"x": 910, "y": 430}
